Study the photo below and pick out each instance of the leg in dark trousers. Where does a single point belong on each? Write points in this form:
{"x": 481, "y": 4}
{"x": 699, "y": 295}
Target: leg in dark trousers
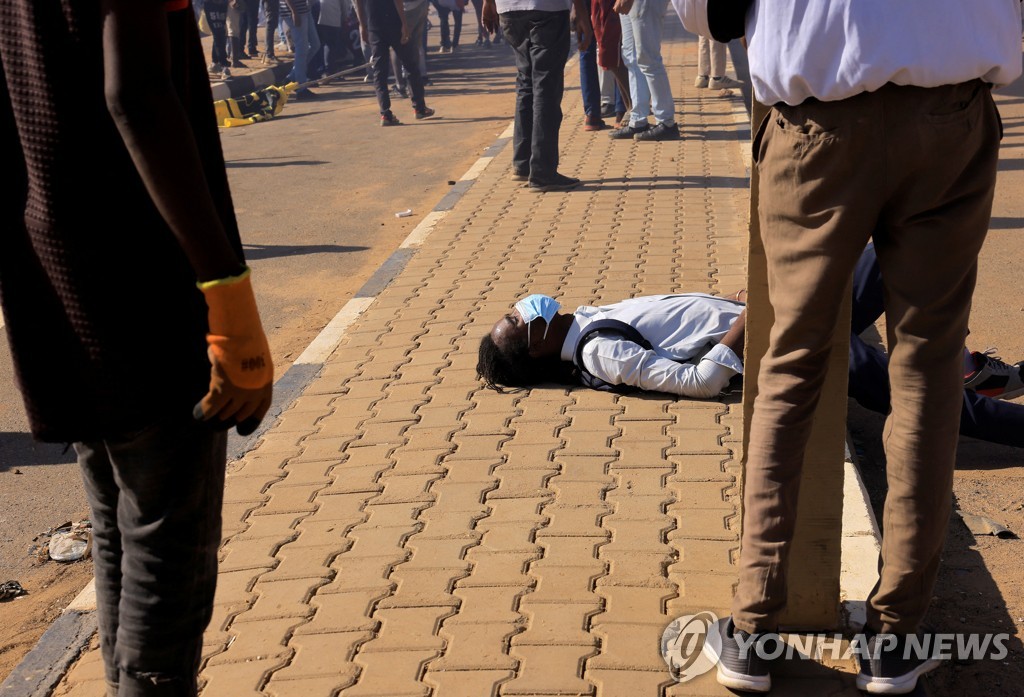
{"x": 380, "y": 61}
{"x": 982, "y": 417}
{"x": 442, "y": 16}
{"x": 217, "y": 17}
{"x": 156, "y": 498}
{"x": 272, "y": 10}
{"x": 541, "y": 44}
{"x": 251, "y": 25}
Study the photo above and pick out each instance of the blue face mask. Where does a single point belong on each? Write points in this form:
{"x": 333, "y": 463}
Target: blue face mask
{"x": 533, "y": 306}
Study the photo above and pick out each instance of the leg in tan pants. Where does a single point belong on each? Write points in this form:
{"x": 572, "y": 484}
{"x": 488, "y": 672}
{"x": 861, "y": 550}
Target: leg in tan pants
{"x": 915, "y": 169}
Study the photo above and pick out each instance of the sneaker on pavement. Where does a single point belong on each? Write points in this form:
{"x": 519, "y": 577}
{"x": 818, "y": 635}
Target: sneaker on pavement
{"x": 304, "y": 95}
{"x": 701, "y": 81}
{"x": 559, "y": 182}
{"x": 661, "y": 131}
{"x": 424, "y": 113}
{"x": 389, "y": 119}
{"x": 225, "y": 72}
{"x": 994, "y": 378}
{"x": 724, "y": 82}
{"x": 890, "y": 667}
{"x": 520, "y": 175}
{"x": 591, "y": 123}
{"x": 627, "y": 132}
{"x": 740, "y": 667}
{"x": 270, "y": 59}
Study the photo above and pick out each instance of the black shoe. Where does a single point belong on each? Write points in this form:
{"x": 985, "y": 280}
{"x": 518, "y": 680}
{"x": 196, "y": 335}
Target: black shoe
{"x": 892, "y": 668}
{"x": 739, "y": 665}
{"x": 559, "y": 182}
{"x": 304, "y": 95}
{"x": 627, "y": 132}
{"x": 520, "y": 175}
{"x": 389, "y": 119}
{"x": 661, "y": 131}
{"x": 424, "y": 113}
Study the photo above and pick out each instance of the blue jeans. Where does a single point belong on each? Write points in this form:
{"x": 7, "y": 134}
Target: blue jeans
{"x": 307, "y": 43}
{"x": 590, "y": 85}
{"x": 641, "y": 52}
{"x": 981, "y": 417}
{"x": 156, "y": 498}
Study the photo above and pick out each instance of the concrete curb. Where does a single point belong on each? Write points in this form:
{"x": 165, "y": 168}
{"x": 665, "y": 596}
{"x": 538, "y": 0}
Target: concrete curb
{"x": 235, "y": 87}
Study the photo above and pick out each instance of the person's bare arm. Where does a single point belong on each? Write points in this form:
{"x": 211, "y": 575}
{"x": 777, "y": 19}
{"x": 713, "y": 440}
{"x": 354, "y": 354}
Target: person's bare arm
{"x": 584, "y": 29}
{"x": 733, "y": 338}
{"x": 400, "y": 8}
{"x": 364, "y": 31}
{"x": 489, "y": 16}
{"x": 157, "y": 133}
{"x": 296, "y": 17}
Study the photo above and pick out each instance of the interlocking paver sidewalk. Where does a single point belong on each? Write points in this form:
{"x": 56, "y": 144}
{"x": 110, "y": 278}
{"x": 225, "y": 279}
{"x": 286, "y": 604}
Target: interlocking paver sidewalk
{"x": 404, "y": 531}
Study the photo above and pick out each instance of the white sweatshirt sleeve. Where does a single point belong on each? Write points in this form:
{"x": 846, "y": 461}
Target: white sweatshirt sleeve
{"x": 623, "y": 362}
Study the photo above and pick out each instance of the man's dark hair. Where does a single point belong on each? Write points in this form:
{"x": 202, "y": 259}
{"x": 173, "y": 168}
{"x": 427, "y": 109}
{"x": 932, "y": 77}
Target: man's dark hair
{"x": 515, "y": 367}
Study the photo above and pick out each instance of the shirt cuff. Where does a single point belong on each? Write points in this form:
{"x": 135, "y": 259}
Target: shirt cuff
{"x": 725, "y": 357}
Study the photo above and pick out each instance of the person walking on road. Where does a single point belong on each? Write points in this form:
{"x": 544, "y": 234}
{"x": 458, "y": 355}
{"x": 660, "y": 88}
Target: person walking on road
{"x": 116, "y": 349}
{"x": 538, "y": 32}
{"x": 901, "y": 145}
{"x": 384, "y": 27}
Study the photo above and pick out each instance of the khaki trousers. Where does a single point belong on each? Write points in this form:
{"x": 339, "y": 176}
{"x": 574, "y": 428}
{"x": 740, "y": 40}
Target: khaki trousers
{"x": 915, "y": 169}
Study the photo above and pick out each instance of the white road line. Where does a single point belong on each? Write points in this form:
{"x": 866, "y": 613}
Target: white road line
{"x": 419, "y": 233}
{"x": 329, "y": 338}
{"x": 478, "y": 167}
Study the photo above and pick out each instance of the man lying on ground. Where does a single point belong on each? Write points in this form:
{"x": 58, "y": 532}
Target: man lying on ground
{"x": 690, "y": 344}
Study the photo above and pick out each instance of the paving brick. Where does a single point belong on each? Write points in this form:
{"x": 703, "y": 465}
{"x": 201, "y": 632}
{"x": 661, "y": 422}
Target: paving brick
{"x": 632, "y": 647}
{"x": 425, "y": 587}
{"x": 575, "y": 520}
{"x": 639, "y": 482}
{"x": 697, "y": 468}
{"x": 364, "y": 572}
{"x": 703, "y": 523}
{"x": 305, "y": 562}
{"x": 257, "y": 640}
{"x": 322, "y": 655}
{"x": 628, "y": 683}
{"x": 642, "y": 569}
{"x": 508, "y": 537}
{"x": 576, "y": 492}
{"x": 634, "y": 605}
{"x": 706, "y": 555}
{"x": 583, "y": 468}
{"x": 476, "y": 647}
{"x": 550, "y": 670}
{"x": 559, "y": 585}
{"x": 717, "y": 494}
{"x": 407, "y": 629}
{"x": 279, "y": 601}
{"x": 439, "y": 552}
{"x": 239, "y": 679}
{"x": 459, "y": 683}
{"x": 636, "y": 535}
{"x": 701, "y": 590}
{"x": 557, "y": 624}
{"x": 343, "y": 612}
{"x": 497, "y": 569}
{"x": 391, "y": 674}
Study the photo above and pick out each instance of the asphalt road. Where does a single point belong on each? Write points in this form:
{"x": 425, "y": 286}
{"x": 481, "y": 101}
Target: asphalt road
{"x": 316, "y": 192}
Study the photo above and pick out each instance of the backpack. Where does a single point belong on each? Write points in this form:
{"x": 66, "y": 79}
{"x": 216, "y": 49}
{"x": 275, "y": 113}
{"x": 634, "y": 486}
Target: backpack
{"x": 628, "y": 331}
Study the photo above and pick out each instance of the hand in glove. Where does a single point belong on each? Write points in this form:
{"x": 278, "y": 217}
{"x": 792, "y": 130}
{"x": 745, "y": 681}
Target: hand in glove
{"x": 241, "y": 370}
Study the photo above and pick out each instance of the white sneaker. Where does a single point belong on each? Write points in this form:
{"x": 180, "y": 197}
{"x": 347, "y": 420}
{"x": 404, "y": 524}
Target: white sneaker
{"x": 724, "y": 82}
{"x": 701, "y": 81}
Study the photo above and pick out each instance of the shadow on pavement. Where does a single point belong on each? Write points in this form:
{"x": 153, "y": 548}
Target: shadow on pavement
{"x": 270, "y": 251}
{"x": 19, "y": 450}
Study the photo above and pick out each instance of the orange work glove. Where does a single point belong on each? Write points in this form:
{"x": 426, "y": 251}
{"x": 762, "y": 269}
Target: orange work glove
{"x": 241, "y": 370}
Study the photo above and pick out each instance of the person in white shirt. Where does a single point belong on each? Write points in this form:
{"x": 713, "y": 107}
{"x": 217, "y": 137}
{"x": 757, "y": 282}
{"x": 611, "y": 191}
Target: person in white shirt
{"x": 882, "y": 125}
{"x": 690, "y": 344}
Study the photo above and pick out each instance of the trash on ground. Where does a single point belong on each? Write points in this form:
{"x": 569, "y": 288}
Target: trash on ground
{"x": 980, "y": 525}
{"x": 11, "y": 589}
{"x": 404, "y": 214}
{"x": 68, "y": 541}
